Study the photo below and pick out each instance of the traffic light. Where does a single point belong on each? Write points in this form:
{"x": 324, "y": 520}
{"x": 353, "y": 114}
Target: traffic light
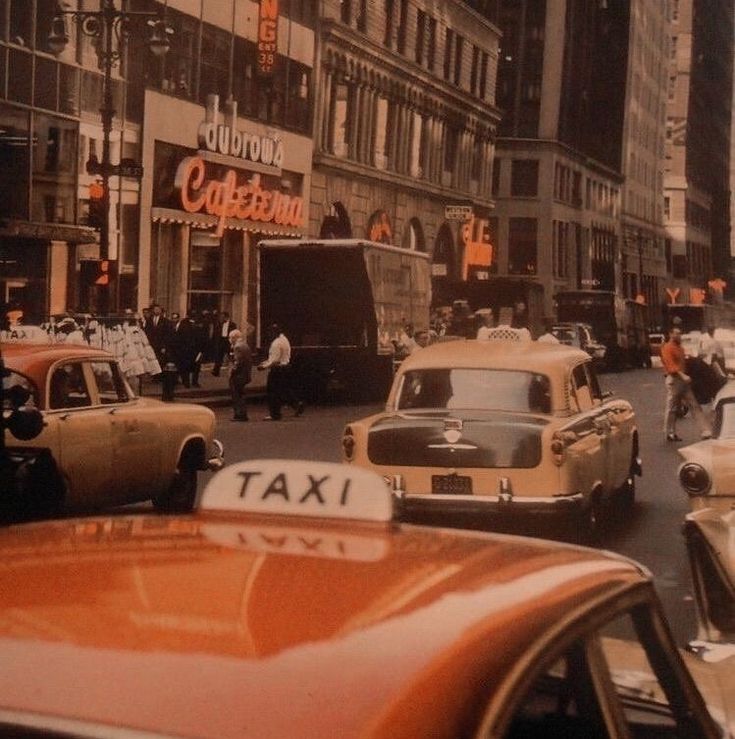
{"x": 96, "y": 272}
{"x": 96, "y": 205}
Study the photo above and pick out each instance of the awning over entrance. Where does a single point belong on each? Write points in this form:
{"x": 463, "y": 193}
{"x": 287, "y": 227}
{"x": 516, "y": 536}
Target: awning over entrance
{"x": 206, "y": 221}
{"x": 48, "y": 231}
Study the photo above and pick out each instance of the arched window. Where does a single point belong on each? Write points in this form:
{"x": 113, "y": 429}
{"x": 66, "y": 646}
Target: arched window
{"x": 413, "y": 236}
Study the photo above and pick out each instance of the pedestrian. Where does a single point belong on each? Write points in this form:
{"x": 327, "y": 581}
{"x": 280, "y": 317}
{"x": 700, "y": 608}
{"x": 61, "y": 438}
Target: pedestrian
{"x": 199, "y": 345}
{"x": 182, "y": 347}
{"x": 280, "y": 384}
{"x": 678, "y": 388}
{"x": 240, "y": 374}
{"x": 157, "y": 331}
{"x": 711, "y": 351}
{"x": 221, "y": 341}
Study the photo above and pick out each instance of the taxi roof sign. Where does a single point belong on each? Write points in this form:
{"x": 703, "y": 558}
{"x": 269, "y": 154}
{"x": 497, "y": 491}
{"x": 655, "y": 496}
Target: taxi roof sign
{"x": 290, "y": 487}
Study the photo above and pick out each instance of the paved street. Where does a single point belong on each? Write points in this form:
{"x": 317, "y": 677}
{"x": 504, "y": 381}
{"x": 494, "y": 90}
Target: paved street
{"x": 652, "y": 535}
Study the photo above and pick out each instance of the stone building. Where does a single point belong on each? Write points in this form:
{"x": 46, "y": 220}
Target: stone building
{"x": 405, "y": 126}
{"x": 697, "y": 173}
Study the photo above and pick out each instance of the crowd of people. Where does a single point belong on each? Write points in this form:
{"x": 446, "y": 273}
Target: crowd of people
{"x": 188, "y": 341}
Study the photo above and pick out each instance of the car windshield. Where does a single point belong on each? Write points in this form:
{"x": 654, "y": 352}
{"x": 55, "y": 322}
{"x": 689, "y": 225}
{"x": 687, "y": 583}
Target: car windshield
{"x": 565, "y": 335}
{"x": 475, "y": 389}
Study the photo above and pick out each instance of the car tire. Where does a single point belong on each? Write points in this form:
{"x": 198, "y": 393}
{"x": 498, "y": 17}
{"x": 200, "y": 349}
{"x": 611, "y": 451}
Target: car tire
{"x": 626, "y": 494}
{"x": 589, "y": 522}
{"x": 181, "y": 494}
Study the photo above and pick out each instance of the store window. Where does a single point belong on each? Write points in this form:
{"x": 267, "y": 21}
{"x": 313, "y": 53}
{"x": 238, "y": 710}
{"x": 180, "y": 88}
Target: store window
{"x": 54, "y": 169}
{"x": 15, "y": 156}
{"x": 21, "y": 23}
{"x": 215, "y": 270}
{"x": 20, "y": 71}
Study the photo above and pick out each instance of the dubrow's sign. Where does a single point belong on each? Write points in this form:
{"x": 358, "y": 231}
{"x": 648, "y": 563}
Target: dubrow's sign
{"x": 226, "y": 138}
{"x": 230, "y": 198}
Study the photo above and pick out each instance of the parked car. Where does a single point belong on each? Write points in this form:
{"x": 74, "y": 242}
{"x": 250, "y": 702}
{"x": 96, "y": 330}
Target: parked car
{"x": 110, "y": 447}
{"x": 497, "y": 429}
{"x": 291, "y": 604}
{"x": 707, "y": 473}
{"x": 581, "y": 336}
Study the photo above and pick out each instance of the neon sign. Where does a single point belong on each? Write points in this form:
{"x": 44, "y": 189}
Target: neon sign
{"x": 226, "y": 198}
{"x": 267, "y": 36}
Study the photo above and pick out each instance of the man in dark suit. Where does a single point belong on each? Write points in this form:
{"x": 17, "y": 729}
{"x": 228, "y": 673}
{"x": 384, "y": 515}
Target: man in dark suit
{"x": 157, "y": 330}
{"x": 222, "y": 341}
{"x": 182, "y": 347}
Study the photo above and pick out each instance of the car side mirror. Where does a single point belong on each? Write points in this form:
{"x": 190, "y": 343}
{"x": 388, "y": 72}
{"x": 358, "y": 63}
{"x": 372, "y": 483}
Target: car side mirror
{"x": 25, "y": 423}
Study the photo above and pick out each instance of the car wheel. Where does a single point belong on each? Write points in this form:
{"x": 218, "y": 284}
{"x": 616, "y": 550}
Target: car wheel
{"x": 589, "y": 522}
{"x": 181, "y": 494}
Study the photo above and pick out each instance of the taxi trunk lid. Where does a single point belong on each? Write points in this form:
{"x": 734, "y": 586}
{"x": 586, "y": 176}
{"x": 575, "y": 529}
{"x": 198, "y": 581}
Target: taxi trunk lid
{"x": 469, "y": 439}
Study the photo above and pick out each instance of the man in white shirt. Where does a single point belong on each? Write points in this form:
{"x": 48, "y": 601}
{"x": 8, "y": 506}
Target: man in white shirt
{"x": 711, "y": 351}
{"x": 279, "y": 387}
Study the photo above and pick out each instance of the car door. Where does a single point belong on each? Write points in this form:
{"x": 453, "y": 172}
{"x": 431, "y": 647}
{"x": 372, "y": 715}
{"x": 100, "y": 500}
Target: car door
{"x": 620, "y": 417}
{"x": 134, "y": 430}
{"x": 592, "y": 430}
{"x": 84, "y": 443}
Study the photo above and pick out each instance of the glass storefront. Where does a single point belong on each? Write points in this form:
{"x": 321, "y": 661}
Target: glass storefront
{"x": 215, "y": 270}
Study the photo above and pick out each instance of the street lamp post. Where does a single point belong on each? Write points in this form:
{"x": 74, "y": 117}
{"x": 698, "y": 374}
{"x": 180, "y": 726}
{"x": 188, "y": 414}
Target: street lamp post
{"x": 110, "y": 27}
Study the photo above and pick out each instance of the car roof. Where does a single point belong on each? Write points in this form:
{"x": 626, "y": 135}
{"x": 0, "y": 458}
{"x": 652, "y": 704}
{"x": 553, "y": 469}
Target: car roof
{"x": 501, "y": 354}
{"x": 222, "y": 624}
{"x": 28, "y": 357}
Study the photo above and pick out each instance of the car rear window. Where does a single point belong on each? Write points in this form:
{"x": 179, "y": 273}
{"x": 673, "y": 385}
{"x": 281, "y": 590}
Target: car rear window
{"x": 476, "y": 389}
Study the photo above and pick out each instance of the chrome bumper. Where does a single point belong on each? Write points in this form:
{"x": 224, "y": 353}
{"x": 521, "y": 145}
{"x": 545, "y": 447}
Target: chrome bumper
{"x": 490, "y": 505}
{"x": 216, "y": 459}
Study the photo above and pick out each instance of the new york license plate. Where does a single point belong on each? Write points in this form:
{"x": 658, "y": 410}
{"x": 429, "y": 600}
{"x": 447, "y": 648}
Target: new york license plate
{"x": 451, "y": 485}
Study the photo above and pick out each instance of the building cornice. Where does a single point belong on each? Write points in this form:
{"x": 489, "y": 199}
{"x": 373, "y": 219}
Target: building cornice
{"x": 552, "y": 145}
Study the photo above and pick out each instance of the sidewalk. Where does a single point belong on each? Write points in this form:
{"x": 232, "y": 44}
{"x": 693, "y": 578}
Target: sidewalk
{"x": 214, "y": 391}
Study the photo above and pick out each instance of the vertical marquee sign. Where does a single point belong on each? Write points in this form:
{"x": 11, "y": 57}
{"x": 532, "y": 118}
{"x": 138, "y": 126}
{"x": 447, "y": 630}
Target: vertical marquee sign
{"x": 267, "y": 36}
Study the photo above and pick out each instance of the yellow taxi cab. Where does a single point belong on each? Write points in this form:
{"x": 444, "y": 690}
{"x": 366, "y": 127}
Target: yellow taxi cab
{"x": 493, "y": 429}
{"x": 109, "y": 447}
{"x": 292, "y": 604}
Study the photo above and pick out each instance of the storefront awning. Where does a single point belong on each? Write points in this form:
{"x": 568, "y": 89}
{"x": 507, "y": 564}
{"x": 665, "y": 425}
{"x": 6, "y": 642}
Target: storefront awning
{"x": 48, "y": 231}
{"x": 205, "y": 221}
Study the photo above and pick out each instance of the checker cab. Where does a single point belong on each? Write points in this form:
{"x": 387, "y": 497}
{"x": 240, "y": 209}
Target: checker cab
{"x": 491, "y": 429}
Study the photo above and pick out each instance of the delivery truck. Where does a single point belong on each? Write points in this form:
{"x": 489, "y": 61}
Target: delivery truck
{"x": 343, "y": 304}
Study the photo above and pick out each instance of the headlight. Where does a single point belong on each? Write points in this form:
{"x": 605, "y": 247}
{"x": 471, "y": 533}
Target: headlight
{"x": 694, "y": 478}
{"x": 348, "y": 444}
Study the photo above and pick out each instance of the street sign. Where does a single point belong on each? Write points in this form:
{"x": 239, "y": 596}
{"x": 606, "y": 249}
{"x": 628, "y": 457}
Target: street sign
{"x": 130, "y": 170}
{"x": 458, "y": 212}
{"x": 591, "y": 283}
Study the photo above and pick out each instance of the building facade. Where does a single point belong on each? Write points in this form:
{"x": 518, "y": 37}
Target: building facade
{"x": 578, "y": 182}
{"x": 643, "y": 249}
{"x": 697, "y": 171}
{"x": 49, "y": 123}
{"x": 405, "y": 128}
{"x": 221, "y": 128}
{"x": 558, "y": 183}
{"x": 227, "y": 137}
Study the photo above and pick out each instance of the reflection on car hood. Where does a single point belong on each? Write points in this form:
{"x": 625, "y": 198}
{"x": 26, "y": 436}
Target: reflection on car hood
{"x": 448, "y": 438}
{"x": 276, "y": 627}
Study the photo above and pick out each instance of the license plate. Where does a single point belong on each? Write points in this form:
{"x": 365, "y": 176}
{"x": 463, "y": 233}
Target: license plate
{"x": 451, "y": 485}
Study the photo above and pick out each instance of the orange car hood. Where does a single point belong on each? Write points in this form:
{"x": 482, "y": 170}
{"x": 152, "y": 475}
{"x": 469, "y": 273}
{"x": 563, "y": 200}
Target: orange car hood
{"x": 224, "y": 626}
